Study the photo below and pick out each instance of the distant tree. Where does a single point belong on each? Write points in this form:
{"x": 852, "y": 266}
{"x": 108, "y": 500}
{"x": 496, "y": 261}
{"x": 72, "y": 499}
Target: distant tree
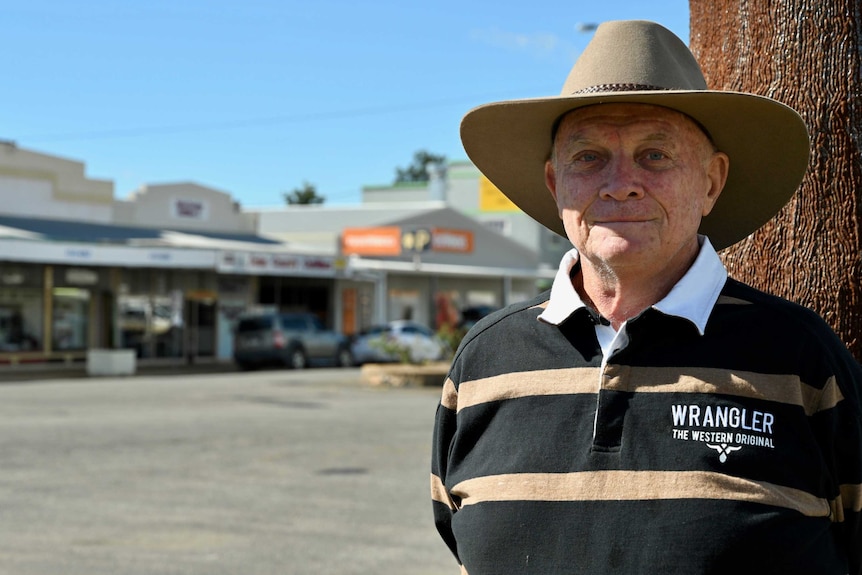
{"x": 304, "y": 195}
{"x": 417, "y": 171}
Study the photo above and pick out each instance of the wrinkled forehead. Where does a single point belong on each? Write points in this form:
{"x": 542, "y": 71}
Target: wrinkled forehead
{"x": 648, "y": 117}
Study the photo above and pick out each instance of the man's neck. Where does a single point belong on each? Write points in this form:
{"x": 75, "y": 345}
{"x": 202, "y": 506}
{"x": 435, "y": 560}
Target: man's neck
{"x": 620, "y": 295}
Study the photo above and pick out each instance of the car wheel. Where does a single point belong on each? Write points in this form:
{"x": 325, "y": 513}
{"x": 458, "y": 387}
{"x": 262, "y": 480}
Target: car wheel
{"x": 344, "y": 358}
{"x": 244, "y": 366}
{"x": 297, "y": 359}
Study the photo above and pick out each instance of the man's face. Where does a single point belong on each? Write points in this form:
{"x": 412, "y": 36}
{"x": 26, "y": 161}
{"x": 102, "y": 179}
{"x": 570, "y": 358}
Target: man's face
{"x": 632, "y": 182}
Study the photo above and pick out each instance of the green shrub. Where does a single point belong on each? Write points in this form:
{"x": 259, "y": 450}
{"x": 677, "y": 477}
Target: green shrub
{"x": 452, "y": 337}
{"x": 391, "y": 347}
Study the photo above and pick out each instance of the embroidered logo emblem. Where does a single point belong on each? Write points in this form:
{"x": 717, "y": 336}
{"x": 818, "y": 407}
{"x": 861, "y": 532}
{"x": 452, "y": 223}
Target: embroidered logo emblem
{"x": 723, "y": 450}
{"x": 724, "y": 428}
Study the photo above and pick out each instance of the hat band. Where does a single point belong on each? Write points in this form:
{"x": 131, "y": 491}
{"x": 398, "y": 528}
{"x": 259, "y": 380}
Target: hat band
{"x": 604, "y": 88}
{"x": 619, "y": 88}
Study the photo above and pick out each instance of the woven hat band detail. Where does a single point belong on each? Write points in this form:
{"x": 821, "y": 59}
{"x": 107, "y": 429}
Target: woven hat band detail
{"x": 619, "y": 88}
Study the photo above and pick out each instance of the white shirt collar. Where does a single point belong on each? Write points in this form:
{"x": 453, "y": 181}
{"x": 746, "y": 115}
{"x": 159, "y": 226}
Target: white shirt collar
{"x": 692, "y": 298}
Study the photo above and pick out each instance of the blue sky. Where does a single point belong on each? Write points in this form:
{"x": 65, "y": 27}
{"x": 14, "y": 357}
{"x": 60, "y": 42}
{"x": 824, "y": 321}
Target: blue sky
{"x": 256, "y": 97}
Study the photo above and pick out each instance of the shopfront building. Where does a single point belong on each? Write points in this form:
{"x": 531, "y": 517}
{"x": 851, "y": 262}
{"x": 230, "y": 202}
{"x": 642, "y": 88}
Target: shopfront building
{"x": 168, "y": 271}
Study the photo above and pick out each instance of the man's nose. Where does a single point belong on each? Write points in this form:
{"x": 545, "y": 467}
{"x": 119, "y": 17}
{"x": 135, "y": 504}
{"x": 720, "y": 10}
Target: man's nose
{"x": 623, "y": 180}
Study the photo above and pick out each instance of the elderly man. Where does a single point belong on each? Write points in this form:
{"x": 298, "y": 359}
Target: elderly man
{"x": 649, "y": 414}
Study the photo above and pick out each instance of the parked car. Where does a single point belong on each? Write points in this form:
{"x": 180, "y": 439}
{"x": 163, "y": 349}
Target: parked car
{"x": 294, "y": 340}
{"x": 379, "y": 344}
{"x": 471, "y": 315}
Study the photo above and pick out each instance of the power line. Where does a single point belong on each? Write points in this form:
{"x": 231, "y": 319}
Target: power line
{"x": 249, "y": 122}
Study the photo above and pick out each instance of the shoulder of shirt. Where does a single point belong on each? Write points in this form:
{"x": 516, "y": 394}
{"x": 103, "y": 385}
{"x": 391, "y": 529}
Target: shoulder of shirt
{"x": 777, "y": 308}
{"x": 785, "y": 316}
{"x": 491, "y": 321}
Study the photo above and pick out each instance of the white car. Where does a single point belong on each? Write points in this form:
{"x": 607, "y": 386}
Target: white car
{"x": 382, "y": 344}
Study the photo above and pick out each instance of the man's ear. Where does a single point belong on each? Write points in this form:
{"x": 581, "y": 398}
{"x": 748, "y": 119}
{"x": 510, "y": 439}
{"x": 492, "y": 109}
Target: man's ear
{"x": 551, "y": 179}
{"x": 716, "y": 172}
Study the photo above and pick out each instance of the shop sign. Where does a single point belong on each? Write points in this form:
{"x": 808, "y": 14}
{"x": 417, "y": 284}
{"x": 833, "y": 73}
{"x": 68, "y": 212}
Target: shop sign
{"x": 259, "y": 262}
{"x": 416, "y": 240}
{"x": 453, "y": 241}
{"x": 392, "y": 241}
{"x": 51, "y": 252}
{"x": 318, "y": 264}
{"x": 12, "y": 278}
{"x": 79, "y": 254}
{"x": 78, "y": 276}
{"x": 201, "y": 295}
{"x": 491, "y": 199}
{"x": 281, "y": 262}
{"x": 274, "y": 264}
{"x": 380, "y": 241}
{"x": 186, "y": 209}
{"x": 162, "y": 257}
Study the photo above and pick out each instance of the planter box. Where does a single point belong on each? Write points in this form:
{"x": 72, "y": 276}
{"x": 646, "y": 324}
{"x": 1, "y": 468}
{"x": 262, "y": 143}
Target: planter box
{"x": 111, "y": 362}
{"x": 404, "y": 374}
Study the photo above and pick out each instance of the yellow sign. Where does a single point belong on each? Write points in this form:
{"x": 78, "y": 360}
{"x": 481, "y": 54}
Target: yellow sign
{"x": 491, "y": 199}
{"x": 416, "y": 240}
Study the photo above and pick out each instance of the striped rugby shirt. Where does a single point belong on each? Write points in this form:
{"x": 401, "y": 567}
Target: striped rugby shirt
{"x": 736, "y": 450}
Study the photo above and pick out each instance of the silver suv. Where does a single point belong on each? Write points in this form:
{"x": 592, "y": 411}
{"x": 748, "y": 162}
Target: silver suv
{"x": 294, "y": 340}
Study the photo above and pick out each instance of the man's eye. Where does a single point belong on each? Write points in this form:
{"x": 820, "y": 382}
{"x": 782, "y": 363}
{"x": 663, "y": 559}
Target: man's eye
{"x": 586, "y": 157}
{"x": 655, "y": 156}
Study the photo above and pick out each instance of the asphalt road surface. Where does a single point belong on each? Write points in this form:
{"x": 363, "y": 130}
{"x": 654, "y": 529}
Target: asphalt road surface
{"x": 270, "y": 472}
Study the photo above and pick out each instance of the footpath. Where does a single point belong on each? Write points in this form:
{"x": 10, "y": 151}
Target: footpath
{"x": 35, "y": 372}
{"x": 382, "y": 375}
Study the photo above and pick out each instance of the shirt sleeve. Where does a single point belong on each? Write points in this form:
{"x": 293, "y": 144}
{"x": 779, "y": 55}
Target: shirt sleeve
{"x": 847, "y": 459}
{"x": 444, "y": 507}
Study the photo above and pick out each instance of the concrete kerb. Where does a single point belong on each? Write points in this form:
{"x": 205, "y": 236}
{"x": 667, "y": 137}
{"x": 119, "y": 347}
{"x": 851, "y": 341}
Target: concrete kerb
{"x": 403, "y": 374}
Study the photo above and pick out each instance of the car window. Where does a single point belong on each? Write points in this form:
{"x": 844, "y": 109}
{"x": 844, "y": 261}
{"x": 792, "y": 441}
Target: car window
{"x": 417, "y": 329}
{"x": 293, "y": 322}
{"x": 374, "y": 330}
{"x": 256, "y": 323}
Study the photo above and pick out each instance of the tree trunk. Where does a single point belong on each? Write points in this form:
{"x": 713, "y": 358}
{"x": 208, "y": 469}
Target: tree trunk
{"x": 806, "y": 54}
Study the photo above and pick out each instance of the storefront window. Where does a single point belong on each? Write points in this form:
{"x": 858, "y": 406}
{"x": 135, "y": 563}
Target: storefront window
{"x": 20, "y": 319}
{"x": 71, "y": 309}
{"x": 406, "y": 304}
{"x": 21, "y": 308}
{"x": 152, "y": 325}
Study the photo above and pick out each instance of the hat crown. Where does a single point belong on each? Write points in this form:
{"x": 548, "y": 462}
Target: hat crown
{"x": 634, "y": 55}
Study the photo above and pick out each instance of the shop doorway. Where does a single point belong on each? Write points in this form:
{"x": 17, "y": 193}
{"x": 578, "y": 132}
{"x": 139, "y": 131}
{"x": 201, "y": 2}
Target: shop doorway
{"x": 298, "y": 294}
{"x": 200, "y": 321}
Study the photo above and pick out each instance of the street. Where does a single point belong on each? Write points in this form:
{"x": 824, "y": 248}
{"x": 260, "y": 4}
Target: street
{"x": 269, "y": 472}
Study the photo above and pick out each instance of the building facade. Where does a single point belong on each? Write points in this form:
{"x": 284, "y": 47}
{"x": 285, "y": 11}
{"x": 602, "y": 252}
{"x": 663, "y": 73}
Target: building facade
{"x": 167, "y": 271}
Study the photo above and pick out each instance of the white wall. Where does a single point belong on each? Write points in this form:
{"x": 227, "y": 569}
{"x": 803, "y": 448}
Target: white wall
{"x": 186, "y": 206}
{"x": 38, "y": 185}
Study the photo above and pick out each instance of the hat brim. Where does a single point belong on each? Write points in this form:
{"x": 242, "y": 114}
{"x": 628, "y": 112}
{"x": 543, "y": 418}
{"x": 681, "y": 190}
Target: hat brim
{"x": 766, "y": 141}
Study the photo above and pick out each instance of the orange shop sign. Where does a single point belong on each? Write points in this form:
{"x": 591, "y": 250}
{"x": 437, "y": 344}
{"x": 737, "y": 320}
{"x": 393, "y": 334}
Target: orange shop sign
{"x": 382, "y": 241}
{"x": 449, "y": 240}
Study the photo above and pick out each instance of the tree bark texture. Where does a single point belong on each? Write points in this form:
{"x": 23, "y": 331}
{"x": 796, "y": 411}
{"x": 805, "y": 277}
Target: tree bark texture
{"x": 806, "y": 54}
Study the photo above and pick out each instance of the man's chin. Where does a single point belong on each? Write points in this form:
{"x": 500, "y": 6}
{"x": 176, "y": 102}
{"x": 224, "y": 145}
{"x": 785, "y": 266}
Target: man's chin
{"x": 619, "y": 251}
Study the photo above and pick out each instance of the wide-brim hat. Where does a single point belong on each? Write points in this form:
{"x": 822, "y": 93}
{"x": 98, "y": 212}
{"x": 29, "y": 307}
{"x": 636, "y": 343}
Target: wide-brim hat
{"x": 636, "y": 61}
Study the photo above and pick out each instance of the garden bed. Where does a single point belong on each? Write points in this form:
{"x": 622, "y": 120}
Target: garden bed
{"x": 404, "y": 374}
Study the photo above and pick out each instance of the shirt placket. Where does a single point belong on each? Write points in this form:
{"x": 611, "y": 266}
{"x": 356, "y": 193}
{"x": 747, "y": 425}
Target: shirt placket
{"x": 611, "y": 401}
